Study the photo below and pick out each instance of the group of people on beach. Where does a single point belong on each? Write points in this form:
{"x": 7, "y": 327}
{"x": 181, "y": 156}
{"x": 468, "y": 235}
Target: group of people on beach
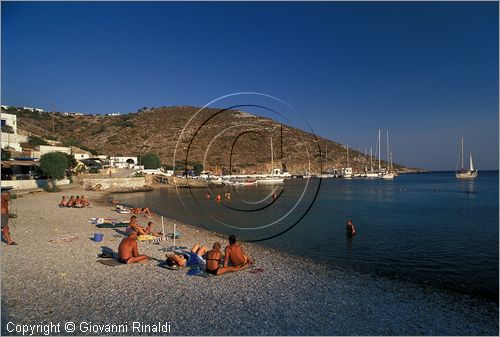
{"x": 72, "y": 202}
{"x": 135, "y": 227}
{"x": 234, "y": 258}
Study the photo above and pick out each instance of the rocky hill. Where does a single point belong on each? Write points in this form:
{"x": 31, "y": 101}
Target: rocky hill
{"x": 220, "y": 140}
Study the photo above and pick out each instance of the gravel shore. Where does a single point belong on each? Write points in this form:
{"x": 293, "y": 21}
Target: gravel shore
{"x": 45, "y": 282}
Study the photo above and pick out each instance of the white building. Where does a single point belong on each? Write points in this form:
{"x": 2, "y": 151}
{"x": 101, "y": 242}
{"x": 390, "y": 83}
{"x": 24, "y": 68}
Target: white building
{"x": 11, "y": 140}
{"x": 123, "y": 162}
{"x": 79, "y": 153}
{"x": 9, "y": 120}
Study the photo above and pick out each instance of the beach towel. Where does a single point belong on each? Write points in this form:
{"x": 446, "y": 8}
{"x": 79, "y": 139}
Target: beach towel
{"x": 123, "y": 211}
{"x": 146, "y": 237}
{"x": 98, "y": 221}
{"x": 111, "y": 262}
{"x": 112, "y": 224}
{"x": 171, "y": 235}
{"x": 165, "y": 264}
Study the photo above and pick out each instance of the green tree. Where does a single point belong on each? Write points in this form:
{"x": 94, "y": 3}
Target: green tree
{"x": 150, "y": 161}
{"x": 71, "y": 161}
{"x": 7, "y": 129}
{"x": 35, "y": 140}
{"x": 54, "y": 165}
{"x": 6, "y": 154}
{"x": 197, "y": 168}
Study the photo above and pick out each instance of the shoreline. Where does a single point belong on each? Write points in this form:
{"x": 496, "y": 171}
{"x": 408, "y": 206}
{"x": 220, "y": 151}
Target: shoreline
{"x": 292, "y": 296}
{"x": 450, "y": 290}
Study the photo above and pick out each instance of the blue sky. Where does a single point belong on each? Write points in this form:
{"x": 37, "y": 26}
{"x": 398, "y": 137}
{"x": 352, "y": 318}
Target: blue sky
{"x": 426, "y": 71}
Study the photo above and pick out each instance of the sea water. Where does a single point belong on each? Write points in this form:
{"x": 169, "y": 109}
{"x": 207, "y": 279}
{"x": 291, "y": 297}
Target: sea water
{"x": 431, "y": 229}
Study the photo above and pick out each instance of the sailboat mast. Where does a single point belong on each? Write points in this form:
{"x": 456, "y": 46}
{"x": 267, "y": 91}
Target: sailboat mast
{"x": 326, "y": 157}
{"x": 462, "y": 153}
{"x": 387, "y": 150}
{"x": 347, "y": 147}
{"x": 371, "y": 159}
{"x": 272, "y": 159}
{"x": 379, "y": 146}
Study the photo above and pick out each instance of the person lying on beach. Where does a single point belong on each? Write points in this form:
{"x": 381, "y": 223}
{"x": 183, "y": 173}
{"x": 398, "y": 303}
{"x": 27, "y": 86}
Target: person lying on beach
{"x": 128, "y": 251}
{"x": 6, "y": 218}
{"x": 144, "y": 210}
{"x": 234, "y": 254}
{"x": 149, "y": 230}
{"x": 71, "y": 202}
{"x": 214, "y": 261}
{"x": 350, "y": 229}
{"x": 193, "y": 257}
{"x": 64, "y": 202}
{"x": 133, "y": 226}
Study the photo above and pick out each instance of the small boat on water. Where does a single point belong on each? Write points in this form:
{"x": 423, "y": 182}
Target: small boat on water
{"x": 270, "y": 180}
{"x": 347, "y": 171}
{"x": 470, "y": 173}
{"x": 240, "y": 182}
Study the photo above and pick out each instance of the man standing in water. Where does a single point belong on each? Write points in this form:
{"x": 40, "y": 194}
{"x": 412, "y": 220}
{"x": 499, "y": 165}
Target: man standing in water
{"x": 350, "y": 230}
{"x": 5, "y": 217}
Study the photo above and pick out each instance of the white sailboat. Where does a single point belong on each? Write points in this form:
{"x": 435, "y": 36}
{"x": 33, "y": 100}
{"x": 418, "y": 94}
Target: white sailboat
{"x": 273, "y": 178}
{"x": 470, "y": 173}
{"x": 347, "y": 171}
{"x": 371, "y": 173}
{"x": 388, "y": 175}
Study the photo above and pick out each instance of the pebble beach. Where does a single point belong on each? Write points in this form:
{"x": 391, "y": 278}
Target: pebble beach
{"x": 61, "y": 281}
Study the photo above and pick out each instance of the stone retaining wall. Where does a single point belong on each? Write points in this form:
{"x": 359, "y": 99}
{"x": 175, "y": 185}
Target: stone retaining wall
{"x": 104, "y": 184}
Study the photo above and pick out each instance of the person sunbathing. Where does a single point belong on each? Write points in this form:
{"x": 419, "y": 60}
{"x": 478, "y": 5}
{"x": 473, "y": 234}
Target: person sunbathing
{"x": 187, "y": 258}
{"x": 135, "y": 227}
{"x": 234, "y": 254}
{"x": 138, "y": 210}
{"x": 149, "y": 230}
{"x": 78, "y": 202}
{"x": 85, "y": 201}
{"x": 214, "y": 261}
{"x": 71, "y": 202}
{"x": 64, "y": 202}
{"x": 128, "y": 251}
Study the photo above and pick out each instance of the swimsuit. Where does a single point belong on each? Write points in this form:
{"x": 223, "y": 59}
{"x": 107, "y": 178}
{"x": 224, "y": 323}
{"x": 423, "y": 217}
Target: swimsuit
{"x": 125, "y": 261}
{"x": 213, "y": 271}
{"x": 5, "y": 219}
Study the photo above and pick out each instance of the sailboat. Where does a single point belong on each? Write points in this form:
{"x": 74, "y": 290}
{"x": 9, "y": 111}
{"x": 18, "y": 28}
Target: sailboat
{"x": 388, "y": 175}
{"x": 371, "y": 173}
{"x": 347, "y": 171}
{"x": 274, "y": 177}
{"x": 464, "y": 173}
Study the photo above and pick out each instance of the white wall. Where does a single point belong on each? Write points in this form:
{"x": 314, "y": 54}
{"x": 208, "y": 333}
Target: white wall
{"x": 13, "y": 140}
{"x": 30, "y": 184}
{"x": 10, "y": 120}
{"x": 47, "y": 149}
